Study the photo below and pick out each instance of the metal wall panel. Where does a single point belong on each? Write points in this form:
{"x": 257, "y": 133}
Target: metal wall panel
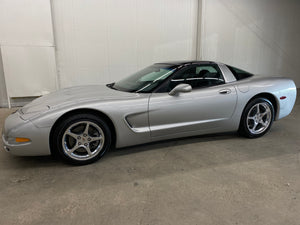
{"x": 100, "y": 41}
{"x": 27, "y": 46}
{"x": 29, "y": 71}
{"x": 259, "y": 36}
{"x": 25, "y": 22}
{"x": 3, "y": 95}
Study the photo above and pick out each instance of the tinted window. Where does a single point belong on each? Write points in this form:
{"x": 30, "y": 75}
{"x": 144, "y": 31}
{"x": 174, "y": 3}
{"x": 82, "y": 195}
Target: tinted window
{"x": 198, "y": 76}
{"x": 238, "y": 73}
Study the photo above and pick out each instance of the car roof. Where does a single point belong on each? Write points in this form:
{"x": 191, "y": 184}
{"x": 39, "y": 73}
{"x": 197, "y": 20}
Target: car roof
{"x": 185, "y": 62}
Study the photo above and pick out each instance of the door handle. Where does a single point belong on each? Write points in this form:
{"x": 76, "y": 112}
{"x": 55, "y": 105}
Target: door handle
{"x": 224, "y": 91}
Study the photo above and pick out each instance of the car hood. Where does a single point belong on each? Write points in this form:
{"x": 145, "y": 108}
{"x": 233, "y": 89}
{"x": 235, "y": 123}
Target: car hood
{"x": 71, "y": 96}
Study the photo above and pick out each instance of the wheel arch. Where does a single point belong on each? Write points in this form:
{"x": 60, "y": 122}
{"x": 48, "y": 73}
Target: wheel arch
{"x": 82, "y": 111}
{"x": 271, "y": 98}
{"x": 267, "y": 96}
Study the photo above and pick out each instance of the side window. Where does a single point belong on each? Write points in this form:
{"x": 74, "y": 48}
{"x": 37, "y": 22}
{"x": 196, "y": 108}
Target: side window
{"x": 238, "y": 73}
{"x": 198, "y": 76}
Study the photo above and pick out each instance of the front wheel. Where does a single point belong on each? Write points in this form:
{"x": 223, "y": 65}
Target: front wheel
{"x": 257, "y": 118}
{"x": 82, "y": 139}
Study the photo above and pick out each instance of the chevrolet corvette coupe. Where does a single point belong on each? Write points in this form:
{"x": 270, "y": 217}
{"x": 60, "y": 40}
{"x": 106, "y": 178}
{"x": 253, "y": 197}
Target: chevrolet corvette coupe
{"x": 163, "y": 101}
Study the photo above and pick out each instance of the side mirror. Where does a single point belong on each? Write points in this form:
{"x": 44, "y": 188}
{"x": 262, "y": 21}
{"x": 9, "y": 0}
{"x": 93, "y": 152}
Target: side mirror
{"x": 180, "y": 88}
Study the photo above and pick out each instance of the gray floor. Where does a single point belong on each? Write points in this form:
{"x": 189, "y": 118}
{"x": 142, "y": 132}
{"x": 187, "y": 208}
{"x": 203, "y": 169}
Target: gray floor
{"x": 222, "y": 179}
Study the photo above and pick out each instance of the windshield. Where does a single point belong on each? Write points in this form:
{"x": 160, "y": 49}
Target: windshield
{"x": 145, "y": 80}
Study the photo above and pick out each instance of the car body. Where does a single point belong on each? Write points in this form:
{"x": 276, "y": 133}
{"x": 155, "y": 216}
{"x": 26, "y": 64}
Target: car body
{"x": 137, "y": 117}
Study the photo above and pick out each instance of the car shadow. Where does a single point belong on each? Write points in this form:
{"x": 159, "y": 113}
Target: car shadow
{"x": 171, "y": 142}
{"x": 50, "y": 161}
{"x": 149, "y": 161}
{"x": 193, "y": 144}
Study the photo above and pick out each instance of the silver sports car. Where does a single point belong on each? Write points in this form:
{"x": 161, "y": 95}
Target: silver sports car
{"x": 163, "y": 101}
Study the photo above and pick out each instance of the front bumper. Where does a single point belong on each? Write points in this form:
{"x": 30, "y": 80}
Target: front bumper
{"x": 15, "y": 126}
{"x": 16, "y": 148}
{"x": 5, "y": 143}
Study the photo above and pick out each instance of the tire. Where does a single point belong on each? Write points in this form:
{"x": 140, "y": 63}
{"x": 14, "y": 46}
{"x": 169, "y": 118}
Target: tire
{"x": 81, "y": 139}
{"x": 257, "y": 118}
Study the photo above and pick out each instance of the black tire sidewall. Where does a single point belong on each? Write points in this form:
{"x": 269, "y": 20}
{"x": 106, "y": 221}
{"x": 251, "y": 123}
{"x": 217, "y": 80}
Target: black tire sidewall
{"x": 243, "y": 125}
{"x": 61, "y": 128}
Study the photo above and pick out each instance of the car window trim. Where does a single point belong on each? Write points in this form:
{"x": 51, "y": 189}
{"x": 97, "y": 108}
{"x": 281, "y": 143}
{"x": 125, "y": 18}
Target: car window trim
{"x": 181, "y": 67}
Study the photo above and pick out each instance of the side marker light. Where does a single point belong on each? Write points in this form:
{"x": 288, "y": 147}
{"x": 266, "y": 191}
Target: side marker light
{"x": 22, "y": 140}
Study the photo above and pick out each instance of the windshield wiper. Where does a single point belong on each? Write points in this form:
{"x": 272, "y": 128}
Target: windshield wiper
{"x": 111, "y": 85}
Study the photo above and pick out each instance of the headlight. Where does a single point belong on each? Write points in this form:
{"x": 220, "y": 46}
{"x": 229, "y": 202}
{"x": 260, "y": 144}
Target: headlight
{"x": 34, "y": 109}
{"x": 31, "y": 112}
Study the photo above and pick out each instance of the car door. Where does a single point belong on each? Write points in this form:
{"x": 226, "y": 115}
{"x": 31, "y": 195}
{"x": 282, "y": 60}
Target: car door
{"x": 208, "y": 106}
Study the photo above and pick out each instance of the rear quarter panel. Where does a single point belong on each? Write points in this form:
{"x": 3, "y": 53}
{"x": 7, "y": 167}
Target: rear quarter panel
{"x": 278, "y": 87}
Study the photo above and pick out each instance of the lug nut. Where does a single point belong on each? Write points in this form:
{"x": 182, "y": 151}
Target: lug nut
{"x": 78, "y": 137}
{"x": 85, "y": 144}
{"x": 84, "y": 135}
{"x": 79, "y": 143}
{"x": 89, "y": 139}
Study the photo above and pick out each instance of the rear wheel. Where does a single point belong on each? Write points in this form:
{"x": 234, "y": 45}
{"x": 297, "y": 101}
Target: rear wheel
{"x": 257, "y": 118}
{"x": 82, "y": 139}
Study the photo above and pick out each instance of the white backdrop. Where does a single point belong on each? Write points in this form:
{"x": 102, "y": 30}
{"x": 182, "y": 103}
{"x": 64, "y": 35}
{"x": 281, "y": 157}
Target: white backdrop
{"x": 100, "y": 41}
{"x": 260, "y": 36}
{"x": 51, "y": 44}
{"x": 29, "y": 70}
{"x": 27, "y": 48}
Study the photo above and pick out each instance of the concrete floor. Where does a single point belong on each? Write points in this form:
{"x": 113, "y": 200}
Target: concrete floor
{"x": 217, "y": 179}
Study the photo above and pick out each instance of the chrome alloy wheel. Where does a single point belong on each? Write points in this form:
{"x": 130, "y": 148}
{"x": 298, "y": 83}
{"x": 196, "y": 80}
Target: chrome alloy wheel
{"x": 83, "y": 140}
{"x": 259, "y": 118}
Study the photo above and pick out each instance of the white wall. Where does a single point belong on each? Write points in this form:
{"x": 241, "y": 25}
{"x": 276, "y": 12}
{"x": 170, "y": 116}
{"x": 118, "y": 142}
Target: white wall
{"x": 100, "y": 41}
{"x": 27, "y": 48}
{"x": 50, "y": 44}
{"x": 260, "y": 36}
{"x": 3, "y": 95}
{"x": 29, "y": 70}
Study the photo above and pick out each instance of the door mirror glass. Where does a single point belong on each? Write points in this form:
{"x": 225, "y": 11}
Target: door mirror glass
{"x": 180, "y": 88}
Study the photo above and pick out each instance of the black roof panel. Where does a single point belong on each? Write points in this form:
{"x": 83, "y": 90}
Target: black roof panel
{"x": 184, "y": 62}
